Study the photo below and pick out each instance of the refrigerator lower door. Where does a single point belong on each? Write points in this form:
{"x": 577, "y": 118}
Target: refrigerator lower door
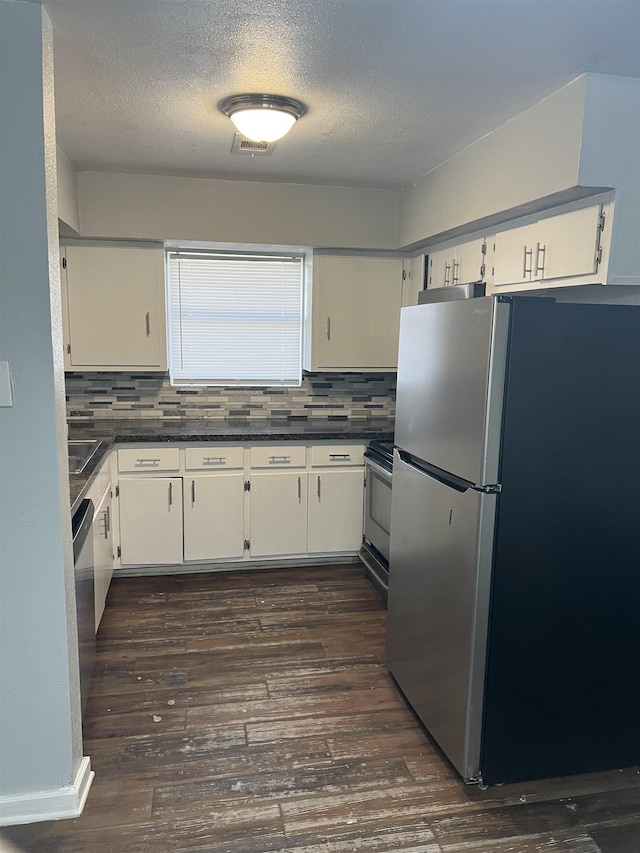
{"x": 441, "y": 542}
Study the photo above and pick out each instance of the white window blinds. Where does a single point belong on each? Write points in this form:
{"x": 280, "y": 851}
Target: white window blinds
{"x": 234, "y": 319}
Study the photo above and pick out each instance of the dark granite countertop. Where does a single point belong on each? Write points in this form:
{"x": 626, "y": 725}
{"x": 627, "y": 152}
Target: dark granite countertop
{"x": 112, "y": 431}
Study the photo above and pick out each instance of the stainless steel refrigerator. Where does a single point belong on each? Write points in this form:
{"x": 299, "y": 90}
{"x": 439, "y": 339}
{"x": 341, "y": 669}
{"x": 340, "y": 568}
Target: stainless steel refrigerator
{"x": 514, "y": 582}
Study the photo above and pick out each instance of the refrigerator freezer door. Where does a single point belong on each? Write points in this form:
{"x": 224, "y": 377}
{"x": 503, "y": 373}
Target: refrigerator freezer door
{"x": 451, "y": 364}
{"x": 438, "y": 607}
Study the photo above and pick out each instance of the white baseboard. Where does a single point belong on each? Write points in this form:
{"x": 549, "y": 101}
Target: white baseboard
{"x": 49, "y": 805}
{"x": 302, "y": 562}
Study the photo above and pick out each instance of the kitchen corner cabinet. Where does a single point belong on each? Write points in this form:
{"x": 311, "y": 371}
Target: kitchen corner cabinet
{"x": 354, "y": 314}
{"x": 101, "y": 493}
{"x": 413, "y": 279}
{"x": 113, "y": 308}
{"x": 103, "y": 556}
{"x": 567, "y": 245}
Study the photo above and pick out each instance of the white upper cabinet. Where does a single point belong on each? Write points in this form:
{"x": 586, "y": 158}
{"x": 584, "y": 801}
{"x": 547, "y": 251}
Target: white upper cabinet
{"x": 469, "y": 261}
{"x": 114, "y": 308}
{"x": 459, "y": 264}
{"x": 439, "y": 267}
{"x": 413, "y": 279}
{"x": 354, "y": 313}
{"x": 566, "y": 246}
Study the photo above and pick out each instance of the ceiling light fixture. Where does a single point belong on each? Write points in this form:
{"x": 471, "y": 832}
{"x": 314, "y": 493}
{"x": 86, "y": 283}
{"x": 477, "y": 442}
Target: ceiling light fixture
{"x": 262, "y": 118}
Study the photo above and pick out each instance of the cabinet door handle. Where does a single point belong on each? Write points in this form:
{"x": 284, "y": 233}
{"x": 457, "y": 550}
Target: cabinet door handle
{"x": 106, "y": 523}
{"x": 540, "y": 250}
{"x": 299, "y": 490}
{"x": 193, "y": 493}
{"x": 525, "y": 271}
{"x": 328, "y": 328}
{"x": 456, "y": 272}
{"x": 147, "y": 323}
{"x": 447, "y": 270}
{"x": 170, "y": 494}
{"x": 318, "y": 488}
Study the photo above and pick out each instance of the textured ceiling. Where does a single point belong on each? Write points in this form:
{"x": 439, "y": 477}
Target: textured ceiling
{"x": 393, "y": 87}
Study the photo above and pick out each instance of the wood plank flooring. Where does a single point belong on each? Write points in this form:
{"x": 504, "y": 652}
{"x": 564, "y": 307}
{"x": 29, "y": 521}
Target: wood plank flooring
{"x": 250, "y": 712}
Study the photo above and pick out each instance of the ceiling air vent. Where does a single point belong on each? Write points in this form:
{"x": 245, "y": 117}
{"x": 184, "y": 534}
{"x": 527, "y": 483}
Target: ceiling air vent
{"x": 242, "y": 145}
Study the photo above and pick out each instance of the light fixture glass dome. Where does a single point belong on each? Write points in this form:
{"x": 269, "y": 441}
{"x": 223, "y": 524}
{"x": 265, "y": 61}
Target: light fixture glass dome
{"x": 262, "y": 118}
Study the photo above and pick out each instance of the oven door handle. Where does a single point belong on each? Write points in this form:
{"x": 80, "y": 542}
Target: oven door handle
{"x": 386, "y": 475}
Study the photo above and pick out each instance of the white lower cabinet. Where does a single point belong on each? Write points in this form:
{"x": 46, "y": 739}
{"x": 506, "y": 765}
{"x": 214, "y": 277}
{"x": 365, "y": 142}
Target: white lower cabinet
{"x": 335, "y": 511}
{"x": 213, "y": 516}
{"x": 150, "y": 520}
{"x": 102, "y": 552}
{"x": 259, "y": 502}
{"x": 278, "y": 513}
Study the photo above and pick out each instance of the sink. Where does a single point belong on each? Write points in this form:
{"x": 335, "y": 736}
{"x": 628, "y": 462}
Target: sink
{"x": 80, "y": 453}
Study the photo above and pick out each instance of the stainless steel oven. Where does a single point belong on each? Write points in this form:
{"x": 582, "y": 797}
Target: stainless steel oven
{"x": 378, "y": 460}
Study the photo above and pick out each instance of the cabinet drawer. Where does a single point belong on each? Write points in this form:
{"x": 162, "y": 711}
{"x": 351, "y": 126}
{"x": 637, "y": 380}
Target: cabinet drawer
{"x": 149, "y": 459}
{"x": 333, "y": 455}
{"x": 278, "y": 456}
{"x": 213, "y": 457}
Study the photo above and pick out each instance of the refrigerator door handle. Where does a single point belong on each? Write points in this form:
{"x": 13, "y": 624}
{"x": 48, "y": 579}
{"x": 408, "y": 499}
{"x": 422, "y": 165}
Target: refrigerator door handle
{"x": 446, "y": 477}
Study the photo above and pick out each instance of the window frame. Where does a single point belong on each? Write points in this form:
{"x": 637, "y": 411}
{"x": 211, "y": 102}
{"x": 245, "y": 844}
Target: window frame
{"x": 297, "y": 257}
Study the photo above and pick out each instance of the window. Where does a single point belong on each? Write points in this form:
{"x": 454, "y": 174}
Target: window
{"x": 234, "y": 319}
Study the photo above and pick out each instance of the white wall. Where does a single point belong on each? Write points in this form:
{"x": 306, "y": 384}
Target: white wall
{"x": 40, "y": 733}
{"x": 67, "y": 178}
{"x": 535, "y": 154}
{"x": 174, "y": 208}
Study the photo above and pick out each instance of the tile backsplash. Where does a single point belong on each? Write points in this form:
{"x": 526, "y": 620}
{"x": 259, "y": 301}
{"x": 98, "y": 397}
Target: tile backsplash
{"x": 332, "y": 396}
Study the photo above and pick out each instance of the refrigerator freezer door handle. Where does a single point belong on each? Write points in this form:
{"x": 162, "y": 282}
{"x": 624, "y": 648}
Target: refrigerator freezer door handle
{"x": 446, "y": 477}
{"x": 427, "y": 470}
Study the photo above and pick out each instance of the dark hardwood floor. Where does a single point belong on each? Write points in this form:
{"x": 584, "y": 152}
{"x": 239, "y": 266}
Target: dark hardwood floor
{"x": 252, "y": 712}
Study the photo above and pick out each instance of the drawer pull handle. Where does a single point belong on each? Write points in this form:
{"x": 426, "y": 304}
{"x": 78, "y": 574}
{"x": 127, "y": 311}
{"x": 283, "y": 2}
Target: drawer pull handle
{"x": 147, "y": 461}
{"x": 341, "y": 456}
{"x": 275, "y": 460}
{"x": 214, "y": 460}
